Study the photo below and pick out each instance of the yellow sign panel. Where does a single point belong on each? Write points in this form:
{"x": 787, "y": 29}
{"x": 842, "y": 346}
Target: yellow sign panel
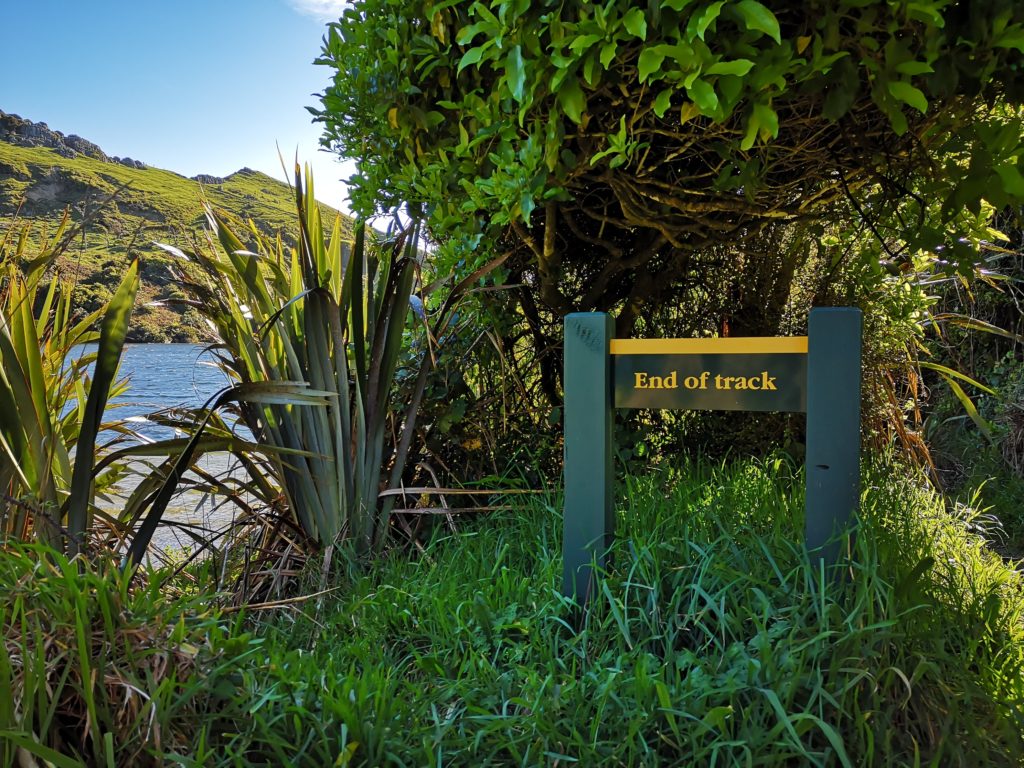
{"x": 728, "y": 346}
{"x": 730, "y": 374}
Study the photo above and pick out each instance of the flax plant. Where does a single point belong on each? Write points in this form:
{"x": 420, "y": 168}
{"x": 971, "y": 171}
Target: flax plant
{"x": 331, "y": 313}
{"x": 53, "y": 391}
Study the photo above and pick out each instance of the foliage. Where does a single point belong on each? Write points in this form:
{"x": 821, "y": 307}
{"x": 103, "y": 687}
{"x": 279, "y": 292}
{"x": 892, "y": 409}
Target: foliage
{"x": 53, "y": 393}
{"x": 613, "y": 146}
{"x": 483, "y": 417}
{"x": 58, "y": 377}
{"x": 710, "y": 641}
{"x": 696, "y": 169}
{"x": 97, "y": 668}
{"x": 967, "y": 458}
{"x": 109, "y": 345}
{"x": 333, "y": 316}
{"x": 962, "y": 388}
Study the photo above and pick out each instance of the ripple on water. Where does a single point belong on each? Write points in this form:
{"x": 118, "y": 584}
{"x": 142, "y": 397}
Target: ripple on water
{"x": 165, "y": 376}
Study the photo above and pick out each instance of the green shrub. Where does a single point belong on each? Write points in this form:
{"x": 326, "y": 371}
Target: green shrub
{"x": 694, "y": 169}
{"x": 641, "y": 155}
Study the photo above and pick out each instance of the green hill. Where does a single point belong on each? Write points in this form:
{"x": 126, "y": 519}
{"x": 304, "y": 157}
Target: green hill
{"x": 44, "y": 173}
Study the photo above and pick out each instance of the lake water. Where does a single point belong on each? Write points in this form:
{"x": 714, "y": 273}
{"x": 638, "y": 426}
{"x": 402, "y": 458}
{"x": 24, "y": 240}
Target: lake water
{"x": 165, "y": 376}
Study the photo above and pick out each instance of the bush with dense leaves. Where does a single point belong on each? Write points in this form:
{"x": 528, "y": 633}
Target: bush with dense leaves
{"x": 631, "y": 154}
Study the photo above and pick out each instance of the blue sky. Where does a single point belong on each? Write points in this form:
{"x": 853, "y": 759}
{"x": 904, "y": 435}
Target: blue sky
{"x": 193, "y": 86}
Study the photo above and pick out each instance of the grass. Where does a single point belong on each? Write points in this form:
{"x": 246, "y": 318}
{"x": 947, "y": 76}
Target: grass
{"x": 711, "y": 642}
{"x": 978, "y": 470}
{"x": 990, "y": 484}
{"x": 98, "y": 668}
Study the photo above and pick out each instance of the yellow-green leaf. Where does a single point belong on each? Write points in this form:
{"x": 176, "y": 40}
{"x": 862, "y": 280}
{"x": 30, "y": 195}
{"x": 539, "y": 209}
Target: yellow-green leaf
{"x": 768, "y": 121}
{"x": 470, "y": 57}
{"x": 515, "y": 72}
{"x": 738, "y": 67}
{"x": 663, "y": 101}
{"x": 704, "y": 96}
{"x": 1013, "y": 181}
{"x": 908, "y": 94}
{"x": 758, "y": 17}
{"x": 635, "y": 23}
{"x": 687, "y": 112}
{"x": 608, "y": 53}
{"x": 650, "y": 62}
{"x": 1012, "y": 37}
{"x": 573, "y": 100}
{"x": 700, "y": 22}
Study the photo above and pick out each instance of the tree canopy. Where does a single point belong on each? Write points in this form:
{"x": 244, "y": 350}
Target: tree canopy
{"x": 620, "y": 149}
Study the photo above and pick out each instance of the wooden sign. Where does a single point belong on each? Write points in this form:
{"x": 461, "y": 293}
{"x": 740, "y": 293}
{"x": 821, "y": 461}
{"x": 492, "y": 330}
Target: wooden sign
{"x": 710, "y": 374}
{"x": 818, "y": 374}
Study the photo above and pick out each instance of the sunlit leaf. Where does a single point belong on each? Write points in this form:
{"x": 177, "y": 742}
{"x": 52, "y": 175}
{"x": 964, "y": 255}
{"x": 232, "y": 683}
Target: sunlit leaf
{"x": 756, "y": 16}
{"x": 908, "y": 94}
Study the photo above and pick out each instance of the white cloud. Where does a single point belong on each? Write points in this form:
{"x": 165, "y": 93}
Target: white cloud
{"x": 321, "y": 10}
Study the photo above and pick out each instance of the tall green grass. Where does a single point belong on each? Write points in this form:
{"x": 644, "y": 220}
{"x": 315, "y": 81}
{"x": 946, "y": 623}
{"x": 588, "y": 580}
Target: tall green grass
{"x": 99, "y": 667}
{"x": 710, "y": 642}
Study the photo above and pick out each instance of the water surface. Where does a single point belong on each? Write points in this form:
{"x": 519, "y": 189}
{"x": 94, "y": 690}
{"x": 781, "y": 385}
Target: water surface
{"x": 163, "y": 376}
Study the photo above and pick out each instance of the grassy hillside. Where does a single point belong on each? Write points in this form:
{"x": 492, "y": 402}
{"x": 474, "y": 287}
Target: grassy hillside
{"x": 38, "y": 184}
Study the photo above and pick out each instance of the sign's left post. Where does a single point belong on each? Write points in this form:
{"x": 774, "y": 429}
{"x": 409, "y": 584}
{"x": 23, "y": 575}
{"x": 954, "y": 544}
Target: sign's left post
{"x": 589, "y": 522}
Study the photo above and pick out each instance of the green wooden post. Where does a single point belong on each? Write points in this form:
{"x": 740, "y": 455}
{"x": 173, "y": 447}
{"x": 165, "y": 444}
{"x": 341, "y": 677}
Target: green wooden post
{"x": 833, "y": 426}
{"x": 589, "y": 518}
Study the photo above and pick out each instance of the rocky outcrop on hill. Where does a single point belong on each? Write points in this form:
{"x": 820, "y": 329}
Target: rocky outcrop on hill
{"x": 130, "y": 163}
{"x": 21, "y": 132}
{"x": 24, "y": 133}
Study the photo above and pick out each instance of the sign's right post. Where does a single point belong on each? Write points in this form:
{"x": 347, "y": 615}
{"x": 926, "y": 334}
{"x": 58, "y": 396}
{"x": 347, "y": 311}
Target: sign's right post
{"x": 833, "y": 426}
